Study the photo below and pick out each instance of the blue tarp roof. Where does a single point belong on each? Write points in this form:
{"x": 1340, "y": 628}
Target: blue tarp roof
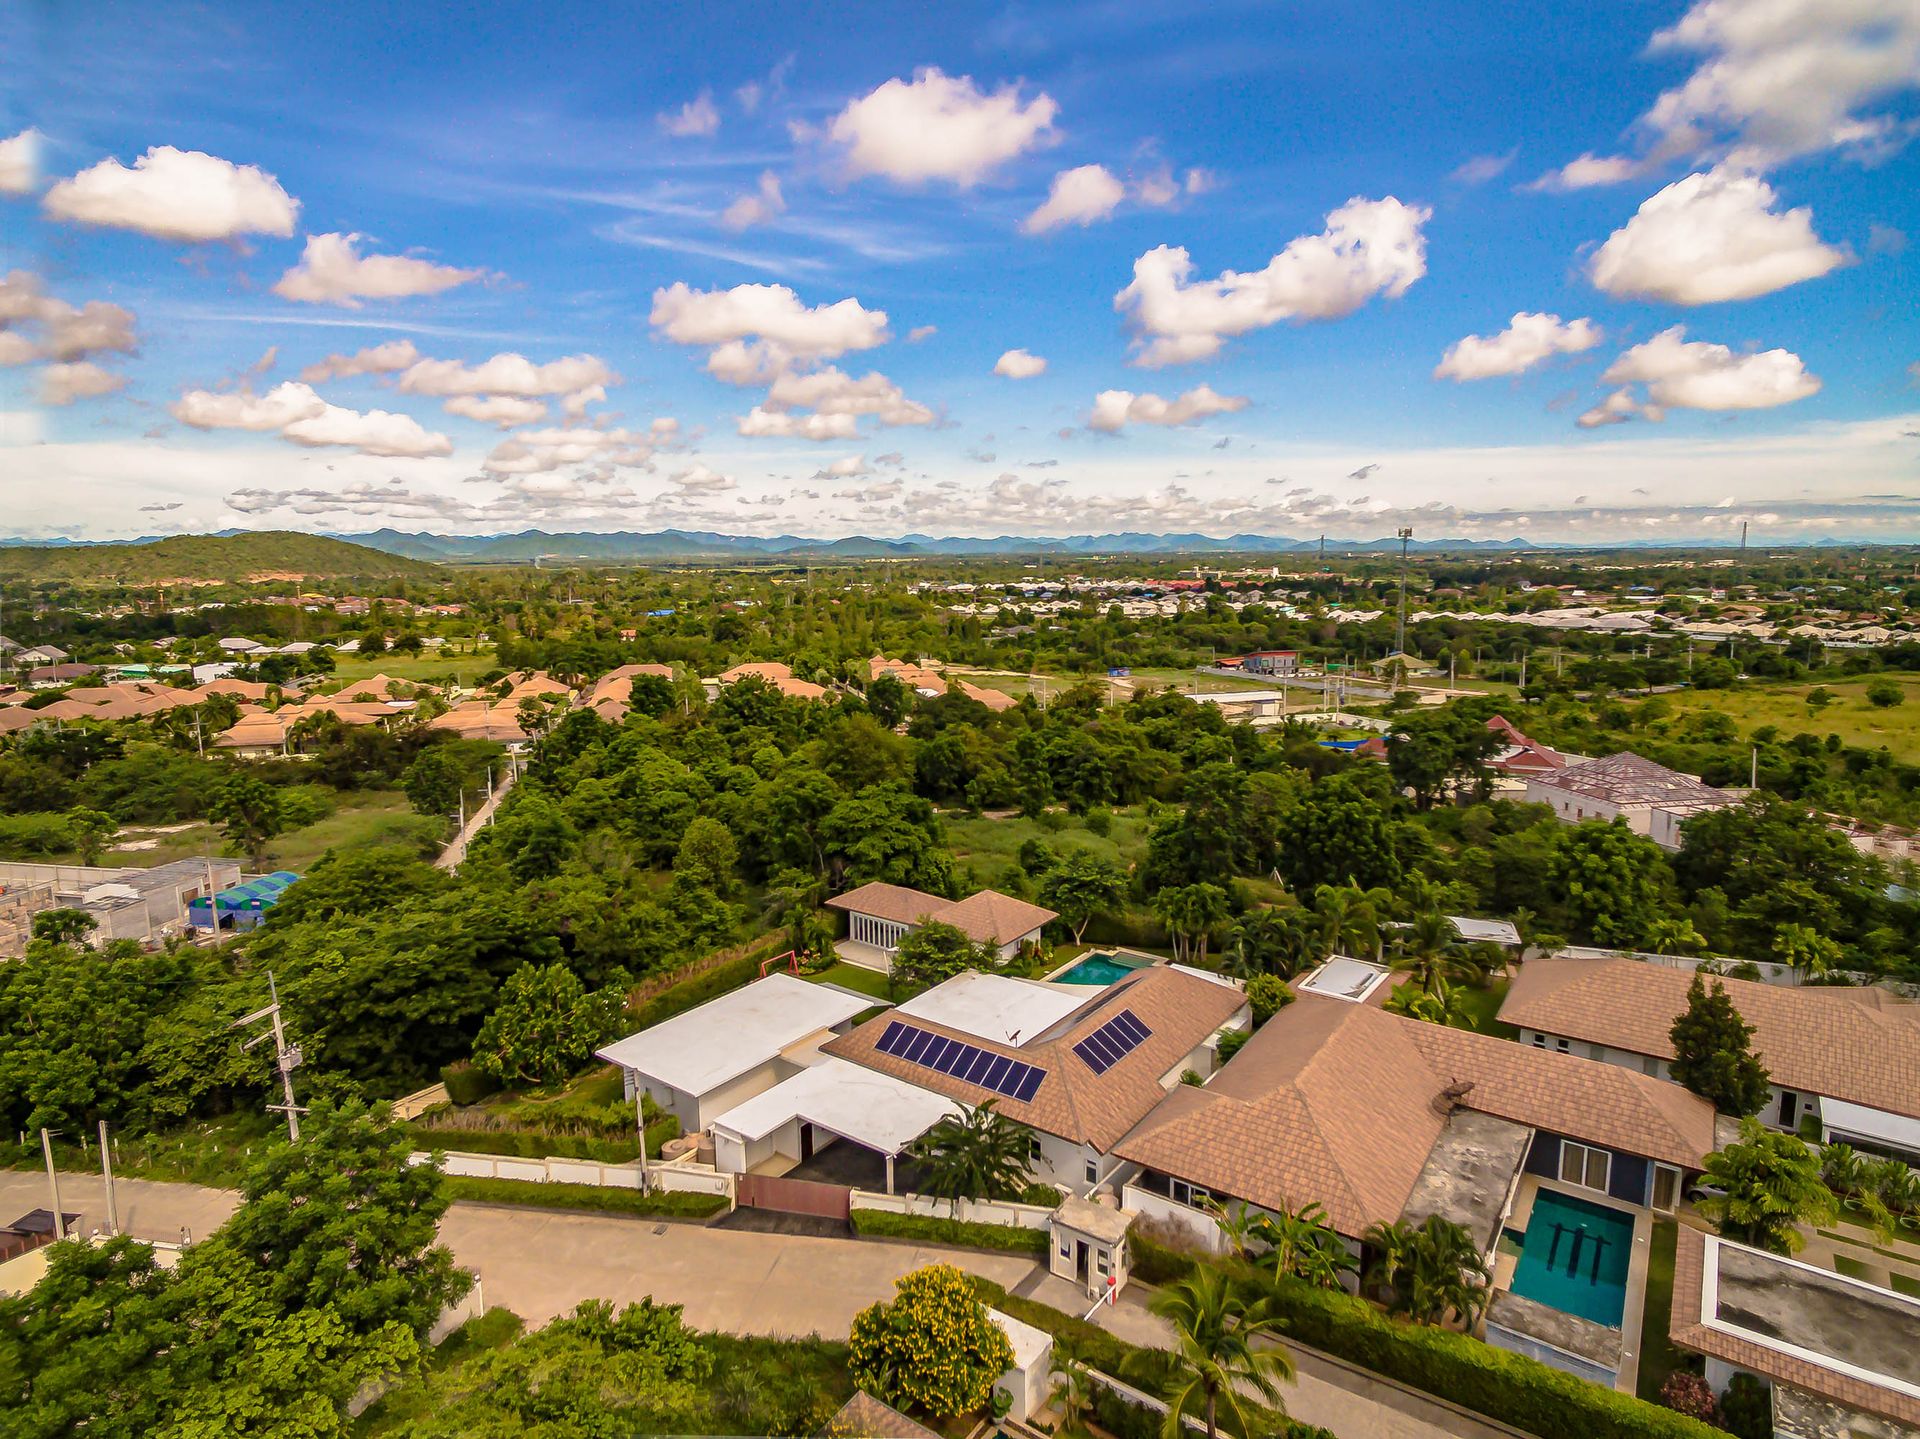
{"x": 255, "y": 894}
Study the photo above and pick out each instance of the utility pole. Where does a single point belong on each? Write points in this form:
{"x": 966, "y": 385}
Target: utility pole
{"x": 106, "y": 1174}
{"x": 286, "y": 1057}
{"x": 53, "y": 1183}
{"x": 1405, "y": 534}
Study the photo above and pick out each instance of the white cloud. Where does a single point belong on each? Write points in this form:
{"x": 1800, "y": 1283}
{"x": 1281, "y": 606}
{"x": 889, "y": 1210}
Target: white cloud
{"x": 1696, "y": 375}
{"x": 940, "y": 127}
{"x": 17, "y": 349}
{"x": 1711, "y": 237}
{"x": 764, "y": 204}
{"x": 1114, "y": 409}
{"x": 94, "y": 328}
{"x": 81, "y": 380}
{"x": 698, "y": 479}
{"x": 1019, "y": 365}
{"x": 374, "y": 432}
{"x": 374, "y": 360}
{"x": 506, "y": 411}
{"x": 1616, "y": 409}
{"x": 21, "y": 296}
{"x": 301, "y": 416}
{"x": 747, "y": 362}
{"x": 332, "y": 272}
{"x": 769, "y": 312}
{"x": 921, "y": 332}
{"x": 535, "y": 452}
{"x": 698, "y": 116}
{"x": 848, "y": 468}
{"x": 1482, "y": 168}
{"x": 176, "y": 195}
{"x": 1781, "y": 78}
{"x": 240, "y": 410}
{"x": 20, "y": 163}
{"x": 1158, "y": 188}
{"x": 1370, "y": 247}
{"x": 574, "y": 406}
{"x": 1078, "y": 197}
{"x": 507, "y": 374}
{"x": 830, "y": 391}
{"x": 64, "y": 332}
{"x": 760, "y": 422}
{"x": 1588, "y": 172}
{"x": 1527, "y": 340}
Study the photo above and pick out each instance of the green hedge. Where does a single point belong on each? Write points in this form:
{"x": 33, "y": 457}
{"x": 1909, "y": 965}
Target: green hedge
{"x": 1156, "y": 1263}
{"x": 584, "y": 1196}
{"x": 1495, "y": 1382}
{"x": 711, "y": 984}
{"x": 884, "y": 1224}
{"x": 467, "y": 1083}
{"x": 525, "y": 1144}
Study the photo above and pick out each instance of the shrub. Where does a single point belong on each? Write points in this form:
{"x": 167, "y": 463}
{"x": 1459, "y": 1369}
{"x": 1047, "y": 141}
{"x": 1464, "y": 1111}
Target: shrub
{"x": 584, "y": 1196}
{"x": 1691, "y": 1395}
{"x": 884, "y": 1224}
{"x": 1746, "y": 1409}
{"x": 698, "y": 989}
{"x": 932, "y": 1348}
{"x": 467, "y": 1083}
{"x": 1268, "y": 994}
{"x": 1041, "y": 1194}
{"x": 1231, "y": 1043}
{"x": 1501, "y": 1385}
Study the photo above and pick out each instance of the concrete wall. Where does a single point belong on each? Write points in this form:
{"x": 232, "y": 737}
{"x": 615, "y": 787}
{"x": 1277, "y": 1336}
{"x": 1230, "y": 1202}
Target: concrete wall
{"x": 1158, "y": 1207}
{"x": 696, "y": 1111}
{"x": 580, "y": 1171}
{"x": 971, "y": 1211}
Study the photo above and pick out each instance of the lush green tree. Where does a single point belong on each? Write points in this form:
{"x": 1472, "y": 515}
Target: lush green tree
{"x": 1713, "y": 1051}
{"x": 91, "y": 829}
{"x": 1760, "y": 1190}
{"x": 1222, "y": 1353}
{"x": 1081, "y": 885}
{"x": 1339, "y": 832}
{"x": 1806, "y": 951}
{"x": 63, "y": 926}
{"x": 1885, "y": 694}
{"x": 1778, "y": 863}
{"x": 933, "y": 1348}
{"x": 935, "y": 950}
{"x": 1426, "y": 753}
{"x": 1674, "y": 935}
{"x": 980, "y": 1154}
{"x": 433, "y": 782}
{"x": 1273, "y": 939}
{"x": 1267, "y": 995}
{"x": 1430, "y": 1272}
{"x": 890, "y": 834}
{"x": 250, "y": 812}
{"x": 1190, "y": 914}
{"x": 1347, "y": 921}
{"x": 1301, "y": 1244}
{"x": 889, "y": 700}
{"x": 1428, "y": 950}
{"x": 707, "y": 855}
{"x": 1611, "y": 883}
{"x": 547, "y": 1025}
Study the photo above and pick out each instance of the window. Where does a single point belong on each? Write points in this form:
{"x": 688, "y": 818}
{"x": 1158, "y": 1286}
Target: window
{"x": 1093, "y": 1171}
{"x": 1033, "y": 1146}
{"x": 1565, "y": 1046}
{"x": 1666, "y": 1188}
{"x": 1539, "y": 1040}
{"x": 1066, "y": 1247}
{"x": 1589, "y": 1168}
{"x": 1188, "y": 1194}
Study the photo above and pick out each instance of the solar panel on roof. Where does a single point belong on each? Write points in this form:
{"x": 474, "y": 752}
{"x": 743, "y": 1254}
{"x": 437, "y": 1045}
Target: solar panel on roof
{"x": 967, "y": 1062}
{"x": 1112, "y": 1041}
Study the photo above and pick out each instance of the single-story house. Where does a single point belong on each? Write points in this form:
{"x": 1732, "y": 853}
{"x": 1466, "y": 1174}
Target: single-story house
{"x": 1080, "y": 1069}
{"x": 878, "y": 915}
{"x": 771, "y": 672}
{"x": 41, "y": 655}
{"x": 932, "y": 683}
{"x": 52, "y": 676}
{"x": 700, "y": 1064}
{"x": 1848, "y": 1057}
{"x": 1652, "y": 799}
{"x": 1271, "y": 662}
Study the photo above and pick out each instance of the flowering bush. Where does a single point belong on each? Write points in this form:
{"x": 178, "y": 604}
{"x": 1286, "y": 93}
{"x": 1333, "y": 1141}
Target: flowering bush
{"x": 1691, "y": 1395}
{"x": 933, "y": 1348}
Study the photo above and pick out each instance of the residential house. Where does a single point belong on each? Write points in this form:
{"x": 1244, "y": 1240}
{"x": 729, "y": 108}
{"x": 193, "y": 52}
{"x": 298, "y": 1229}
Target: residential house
{"x": 476, "y": 719}
{"x": 1846, "y": 1059}
{"x": 53, "y": 676}
{"x": 611, "y": 694}
{"x": 1271, "y": 662}
{"x": 700, "y": 1064}
{"x": 932, "y": 683}
{"x": 772, "y": 673}
{"x": 1652, "y": 799}
{"x": 40, "y": 655}
{"x": 1078, "y": 1067}
{"x": 878, "y": 915}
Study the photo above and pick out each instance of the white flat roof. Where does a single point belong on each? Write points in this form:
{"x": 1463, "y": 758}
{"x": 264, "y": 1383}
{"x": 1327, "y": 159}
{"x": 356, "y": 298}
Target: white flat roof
{"x": 870, "y": 1108}
{"x": 996, "y": 1007}
{"x": 1239, "y": 697}
{"x": 1028, "y": 1342}
{"x": 1499, "y": 931}
{"x": 724, "y": 1038}
{"x": 1344, "y": 978}
{"x": 1858, "y": 1119}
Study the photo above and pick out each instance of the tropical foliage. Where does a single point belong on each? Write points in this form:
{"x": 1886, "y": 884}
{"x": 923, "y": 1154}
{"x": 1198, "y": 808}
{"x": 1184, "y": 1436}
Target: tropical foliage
{"x": 1762, "y": 1189}
{"x": 980, "y": 1154}
{"x": 932, "y": 1348}
{"x": 1218, "y": 1354}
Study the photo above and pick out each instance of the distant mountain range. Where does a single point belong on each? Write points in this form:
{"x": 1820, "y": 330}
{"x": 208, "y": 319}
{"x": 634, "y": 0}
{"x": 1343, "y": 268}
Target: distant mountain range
{"x": 231, "y": 557}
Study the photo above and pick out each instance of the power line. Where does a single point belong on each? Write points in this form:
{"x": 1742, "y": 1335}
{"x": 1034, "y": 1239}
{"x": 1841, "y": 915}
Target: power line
{"x": 286, "y": 1057}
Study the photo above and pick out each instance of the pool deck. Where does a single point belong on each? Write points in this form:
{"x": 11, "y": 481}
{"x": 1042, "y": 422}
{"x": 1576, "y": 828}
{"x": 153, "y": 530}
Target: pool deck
{"x": 1633, "y": 1316}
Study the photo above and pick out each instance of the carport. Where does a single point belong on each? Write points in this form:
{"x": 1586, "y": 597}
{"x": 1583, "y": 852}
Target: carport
{"x": 831, "y": 1101}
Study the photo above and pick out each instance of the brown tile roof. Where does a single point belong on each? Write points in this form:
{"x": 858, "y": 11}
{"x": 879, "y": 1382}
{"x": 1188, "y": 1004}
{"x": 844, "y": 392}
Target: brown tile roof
{"x": 1073, "y": 1102}
{"x": 1686, "y": 1328}
{"x": 481, "y": 721}
{"x": 865, "y": 1417}
{"x": 372, "y": 687}
{"x": 768, "y": 670}
{"x": 239, "y": 689}
{"x": 1342, "y": 1103}
{"x": 1860, "y": 1045}
{"x": 986, "y": 916}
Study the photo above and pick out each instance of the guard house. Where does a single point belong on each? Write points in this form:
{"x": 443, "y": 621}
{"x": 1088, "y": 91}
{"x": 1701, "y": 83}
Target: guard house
{"x": 1089, "y": 1245}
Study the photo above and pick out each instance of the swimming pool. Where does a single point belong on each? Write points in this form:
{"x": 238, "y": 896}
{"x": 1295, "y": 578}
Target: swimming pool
{"x": 1574, "y": 1258}
{"x": 1096, "y": 969}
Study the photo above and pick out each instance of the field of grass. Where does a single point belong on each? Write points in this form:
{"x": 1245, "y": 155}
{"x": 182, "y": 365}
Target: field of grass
{"x": 428, "y": 665}
{"x": 360, "y": 820}
{"x": 1479, "y": 1006}
{"x": 857, "y": 978}
{"x": 986, "y": 848}
{"x": 1850, "y": 716}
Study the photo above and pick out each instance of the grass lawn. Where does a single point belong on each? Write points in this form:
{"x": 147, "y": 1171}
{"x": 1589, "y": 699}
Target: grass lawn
{"x": 989, "y": 847}
{"x": 428, "y": 665}
{"x": 215, "y": 1152}
{"x": 1481, "y": 1005}
{"x": 1658, "y": 1357}
{"x": 1850, "y": 716}
{"x": 857, "y": 978}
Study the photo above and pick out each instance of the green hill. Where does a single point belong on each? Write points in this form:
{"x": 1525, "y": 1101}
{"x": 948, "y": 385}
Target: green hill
{"x": 264, "y": 555}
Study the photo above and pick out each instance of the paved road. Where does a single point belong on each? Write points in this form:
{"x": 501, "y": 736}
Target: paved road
{"x": 456, "y": 849}
{"x": 540, "y": 1264}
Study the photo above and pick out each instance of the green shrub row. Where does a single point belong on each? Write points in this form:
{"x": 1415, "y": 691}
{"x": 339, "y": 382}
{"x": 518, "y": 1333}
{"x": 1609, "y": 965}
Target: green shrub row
{"x": 883, "y": 1224}
{"x": 1157, "y": 1263}
{"x": 1495, "y": 1382}
{"x": 529, "y": 1144}
{"x": 585, "y": 1196}
{"x": 709, "y": 984}
{"x": 466, "y": 1082}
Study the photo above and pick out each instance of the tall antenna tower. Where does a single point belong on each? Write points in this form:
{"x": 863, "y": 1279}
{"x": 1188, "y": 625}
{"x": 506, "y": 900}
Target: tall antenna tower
{"x": 1743, "y": 537}
{"x": 286, "y": 1057}
{"x": 1404, "y": 535}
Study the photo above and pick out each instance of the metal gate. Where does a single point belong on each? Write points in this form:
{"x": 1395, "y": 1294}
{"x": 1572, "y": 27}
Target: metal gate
{"x": 793, "y": 1196}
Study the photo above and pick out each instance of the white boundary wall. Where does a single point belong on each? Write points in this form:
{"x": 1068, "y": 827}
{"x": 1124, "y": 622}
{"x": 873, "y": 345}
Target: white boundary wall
{"x": 581, "y": 1171}
{"x": 971, "y": 1211}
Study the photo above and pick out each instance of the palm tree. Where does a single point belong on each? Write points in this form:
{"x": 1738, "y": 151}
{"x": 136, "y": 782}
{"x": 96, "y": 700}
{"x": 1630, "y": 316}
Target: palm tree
{"x": 1302, "y": 1245}
{"x": 979, "y": 1155}
{"x": 1073, "y": 1396}
{"x": 1347, "y": 920}
{"x": 1764, "y": 1187}
{"x": 1429, "y": 1272}
{"x": 1674, "y": 936}
{"x": 1216, "y": 1353}
{"x": 1425, "y": 950}
{"x": 1239, "y": 1226}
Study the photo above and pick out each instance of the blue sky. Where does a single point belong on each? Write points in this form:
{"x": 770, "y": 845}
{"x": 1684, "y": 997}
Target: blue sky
{"x": 549, "y": 199}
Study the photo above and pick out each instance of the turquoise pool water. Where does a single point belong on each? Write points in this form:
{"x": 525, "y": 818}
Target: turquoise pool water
{"x": 1095, "y": 969}
{"x": 1574, "y": 1258}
